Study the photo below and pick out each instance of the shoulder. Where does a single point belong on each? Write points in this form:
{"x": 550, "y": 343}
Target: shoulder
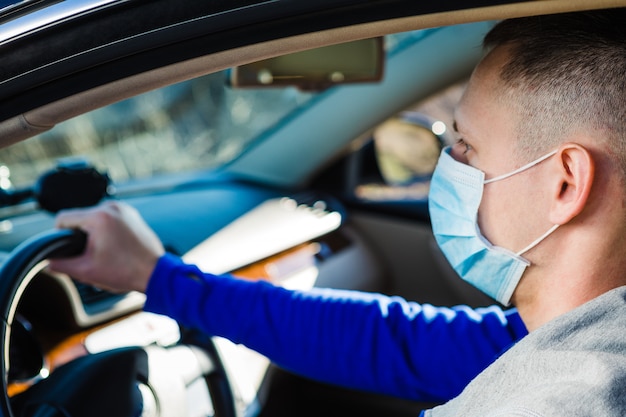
{"x": 573, "y": 366}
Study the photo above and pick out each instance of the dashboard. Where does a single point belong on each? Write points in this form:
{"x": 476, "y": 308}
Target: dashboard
{"x": 296, "y": 241}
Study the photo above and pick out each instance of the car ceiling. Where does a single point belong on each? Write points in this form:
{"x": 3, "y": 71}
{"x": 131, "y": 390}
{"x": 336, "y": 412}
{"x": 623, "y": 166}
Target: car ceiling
{"x": 78, "y": 74}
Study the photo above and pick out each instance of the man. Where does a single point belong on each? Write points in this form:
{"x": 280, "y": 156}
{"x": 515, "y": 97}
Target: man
{"x": 529, "y": 206}
{"x": 543, "y": 127}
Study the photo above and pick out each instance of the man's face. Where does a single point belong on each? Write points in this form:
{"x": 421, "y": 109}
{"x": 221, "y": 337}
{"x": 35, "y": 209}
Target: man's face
{"x": 514, "y": 211}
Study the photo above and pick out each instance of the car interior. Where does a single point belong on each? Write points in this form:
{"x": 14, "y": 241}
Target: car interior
{"x": 319, "y": 198}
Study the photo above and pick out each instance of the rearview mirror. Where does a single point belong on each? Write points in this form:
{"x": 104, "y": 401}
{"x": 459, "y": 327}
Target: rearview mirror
{"x": 316, "y": 69}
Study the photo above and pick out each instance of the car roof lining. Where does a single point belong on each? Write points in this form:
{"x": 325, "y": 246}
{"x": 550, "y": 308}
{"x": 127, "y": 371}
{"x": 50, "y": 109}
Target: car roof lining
{"x": 44, "y": 118}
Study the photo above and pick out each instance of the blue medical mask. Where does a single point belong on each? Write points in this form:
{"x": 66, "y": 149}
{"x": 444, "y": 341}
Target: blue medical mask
{"x": 456, "y": 190}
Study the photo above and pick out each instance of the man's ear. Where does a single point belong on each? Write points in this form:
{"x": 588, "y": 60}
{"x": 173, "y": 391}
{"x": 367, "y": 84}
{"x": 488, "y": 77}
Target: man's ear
{"x": 576, "y": 170}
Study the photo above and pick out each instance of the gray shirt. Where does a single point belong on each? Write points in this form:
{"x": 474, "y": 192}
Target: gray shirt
{"x": 574, "y": 365}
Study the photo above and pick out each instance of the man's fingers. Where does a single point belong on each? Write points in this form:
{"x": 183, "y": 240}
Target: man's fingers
{"x": 71, "y": 219}
{"x": 70, "y": 266}
{"x": 89, "y": 219}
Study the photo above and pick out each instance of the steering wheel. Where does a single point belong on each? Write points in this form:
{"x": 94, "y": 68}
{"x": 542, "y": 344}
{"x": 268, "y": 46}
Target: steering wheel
{"x": 124, "y": 382}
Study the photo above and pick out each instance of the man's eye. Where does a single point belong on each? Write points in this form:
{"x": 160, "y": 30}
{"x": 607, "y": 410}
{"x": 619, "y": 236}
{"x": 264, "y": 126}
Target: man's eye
{"x": 467, "y": 147}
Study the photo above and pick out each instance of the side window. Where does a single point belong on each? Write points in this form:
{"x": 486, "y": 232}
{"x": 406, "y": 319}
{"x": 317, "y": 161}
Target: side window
{"x": 406, "y": 148}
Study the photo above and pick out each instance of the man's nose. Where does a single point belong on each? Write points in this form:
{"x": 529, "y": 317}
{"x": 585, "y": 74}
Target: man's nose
{"x": 457, "y": 151}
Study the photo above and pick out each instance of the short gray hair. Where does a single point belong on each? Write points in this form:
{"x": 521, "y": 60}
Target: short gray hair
{"x": 566, "y": 72}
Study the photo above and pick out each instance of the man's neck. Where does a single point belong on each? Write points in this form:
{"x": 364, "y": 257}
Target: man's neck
{"x": 559, "y": 295}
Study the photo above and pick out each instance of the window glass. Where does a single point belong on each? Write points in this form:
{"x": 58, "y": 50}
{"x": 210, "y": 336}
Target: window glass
{"x": 407, "y": 148}
{"x": 196, "y": 125}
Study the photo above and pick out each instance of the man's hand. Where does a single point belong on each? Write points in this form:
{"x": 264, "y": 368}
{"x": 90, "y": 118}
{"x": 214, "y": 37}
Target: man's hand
{"x": 121, "y": 251}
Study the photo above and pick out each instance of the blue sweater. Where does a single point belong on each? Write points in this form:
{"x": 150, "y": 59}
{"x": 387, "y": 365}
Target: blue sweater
{"x": 358, "y": 340}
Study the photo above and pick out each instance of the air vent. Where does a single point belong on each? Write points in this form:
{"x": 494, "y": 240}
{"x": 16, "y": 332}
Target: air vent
{"x": 90, "y": 295}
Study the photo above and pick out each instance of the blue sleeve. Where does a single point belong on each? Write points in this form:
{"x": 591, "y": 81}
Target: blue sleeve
{"x": 358, "y": 340}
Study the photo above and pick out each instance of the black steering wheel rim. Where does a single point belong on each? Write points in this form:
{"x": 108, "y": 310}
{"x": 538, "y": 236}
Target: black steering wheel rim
{"x": 14, "y": 279}
{"x": 21, "y": 267}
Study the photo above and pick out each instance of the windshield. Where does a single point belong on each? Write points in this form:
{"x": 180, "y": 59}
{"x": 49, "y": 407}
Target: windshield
{"x": 199, "y": 124}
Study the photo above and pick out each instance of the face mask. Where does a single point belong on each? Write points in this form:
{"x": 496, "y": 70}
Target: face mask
{"x": 456, "y": 190}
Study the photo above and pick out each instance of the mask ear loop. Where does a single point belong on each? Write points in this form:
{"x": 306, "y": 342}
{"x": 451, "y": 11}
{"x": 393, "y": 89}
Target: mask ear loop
{"x": 517, "y": 171}
{"x": 538, "y": 240}
{"x": 523, "y": 168}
